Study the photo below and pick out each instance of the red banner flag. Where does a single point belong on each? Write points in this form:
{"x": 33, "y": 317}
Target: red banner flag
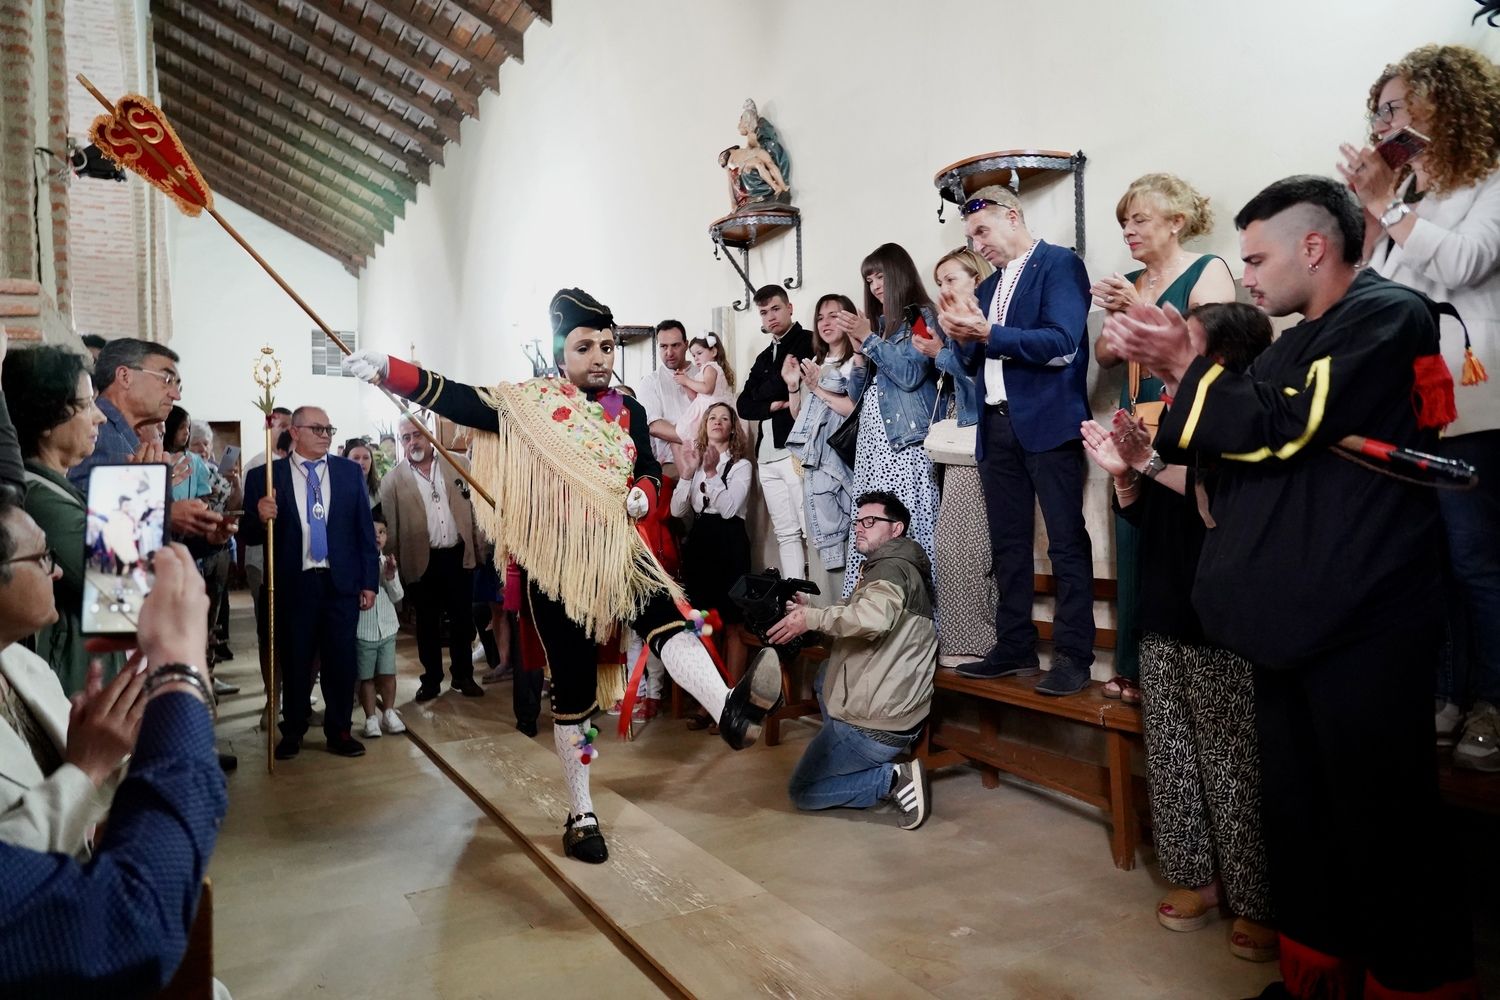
{"x": 136, "y": 121}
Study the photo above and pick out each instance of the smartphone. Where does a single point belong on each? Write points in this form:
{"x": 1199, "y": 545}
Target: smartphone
{"x": 129, "y": 508}
{"x": 1401, "y": 147}
{"x": 230, "y": 459}
{"x": 913, "y": 317}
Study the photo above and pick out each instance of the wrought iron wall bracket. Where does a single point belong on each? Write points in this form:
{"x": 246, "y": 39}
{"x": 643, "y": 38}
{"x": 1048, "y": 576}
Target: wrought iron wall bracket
{"x": 748, "y": 228}
{"x": 1009, "y": 168}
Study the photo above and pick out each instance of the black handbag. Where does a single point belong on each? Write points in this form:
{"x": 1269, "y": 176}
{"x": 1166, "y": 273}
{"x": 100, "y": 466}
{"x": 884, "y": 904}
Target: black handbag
{"x": 845, "y": 440}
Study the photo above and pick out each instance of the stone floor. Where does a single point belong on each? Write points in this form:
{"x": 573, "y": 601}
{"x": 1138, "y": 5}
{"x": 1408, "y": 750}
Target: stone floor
{"x": 378, "y": 877}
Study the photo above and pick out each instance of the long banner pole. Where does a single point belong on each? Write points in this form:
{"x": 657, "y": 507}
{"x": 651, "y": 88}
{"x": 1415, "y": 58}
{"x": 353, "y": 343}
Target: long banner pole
{"x": 267, "y": 375}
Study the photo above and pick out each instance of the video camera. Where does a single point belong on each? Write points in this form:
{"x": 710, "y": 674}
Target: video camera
{"x": 762, "y": 597}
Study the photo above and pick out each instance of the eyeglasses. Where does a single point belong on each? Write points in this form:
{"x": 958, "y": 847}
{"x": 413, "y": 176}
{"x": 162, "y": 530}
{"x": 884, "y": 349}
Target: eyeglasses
{"x": 1386, "y": 112}
{"x": 44, "y": 559}
{"x": 172, "y": 379}
{"x": 321, "y": 430}
{"x": 975, "y": 204}
{"x": 870, "y": 520}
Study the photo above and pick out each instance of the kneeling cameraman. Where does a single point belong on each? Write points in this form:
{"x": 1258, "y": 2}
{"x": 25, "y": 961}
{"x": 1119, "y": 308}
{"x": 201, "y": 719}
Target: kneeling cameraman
{"x": 877, "y": 684}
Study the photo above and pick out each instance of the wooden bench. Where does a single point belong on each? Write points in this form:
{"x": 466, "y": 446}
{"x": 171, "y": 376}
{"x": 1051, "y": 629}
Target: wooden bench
{"x": 1109, "y": 787}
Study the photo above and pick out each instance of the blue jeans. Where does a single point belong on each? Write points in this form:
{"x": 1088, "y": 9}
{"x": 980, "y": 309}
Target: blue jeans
{"x": 842, "y": 766}
{"x": 1471, "y": 518}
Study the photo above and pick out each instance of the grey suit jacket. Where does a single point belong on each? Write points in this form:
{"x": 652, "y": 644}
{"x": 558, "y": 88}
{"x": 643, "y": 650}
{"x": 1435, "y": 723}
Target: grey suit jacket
{"x": 406, "y": 517}
{"x": 44, "y": 813}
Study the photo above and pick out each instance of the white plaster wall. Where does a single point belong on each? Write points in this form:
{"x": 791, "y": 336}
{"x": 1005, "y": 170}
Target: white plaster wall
{"x": 225, "y": 308}
{"x": 595, "y": 165}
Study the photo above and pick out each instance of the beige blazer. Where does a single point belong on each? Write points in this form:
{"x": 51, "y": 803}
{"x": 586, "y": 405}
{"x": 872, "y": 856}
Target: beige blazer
{"x": 406, "y": 517}
{"x": 53, "y": 813}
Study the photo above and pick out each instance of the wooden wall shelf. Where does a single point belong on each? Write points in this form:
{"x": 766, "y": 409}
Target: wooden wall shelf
{"x": 749, "y": 227}
{"x": 1008, "y": 168}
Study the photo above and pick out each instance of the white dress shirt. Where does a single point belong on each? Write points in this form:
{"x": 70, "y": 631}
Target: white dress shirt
{"x": 707, "y": 494}
{"x": 442, "y": 533}
{"x": 663, "y": 399}
{"x": 299, "y": 490}
{"x": 994, "y": 368}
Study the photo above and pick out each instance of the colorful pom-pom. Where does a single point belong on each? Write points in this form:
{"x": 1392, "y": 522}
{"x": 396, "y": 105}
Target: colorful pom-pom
{"x": 592, "y": 734}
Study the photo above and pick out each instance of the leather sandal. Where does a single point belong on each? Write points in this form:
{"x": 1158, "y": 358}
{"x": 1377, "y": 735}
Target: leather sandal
{"x": 1253, "y": 941}
{"x": 1121, "y": 688}
{"x": 1183, "y": 910}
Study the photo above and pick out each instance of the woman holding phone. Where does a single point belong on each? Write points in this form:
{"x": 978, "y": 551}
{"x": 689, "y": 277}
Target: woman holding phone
{"x": 50, "y": 397}
{"x": 1433, "y": 223}
{"x": 901, "y": 385}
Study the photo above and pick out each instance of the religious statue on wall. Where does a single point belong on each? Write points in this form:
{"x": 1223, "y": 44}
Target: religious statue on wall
{"x": 760, "y": 170}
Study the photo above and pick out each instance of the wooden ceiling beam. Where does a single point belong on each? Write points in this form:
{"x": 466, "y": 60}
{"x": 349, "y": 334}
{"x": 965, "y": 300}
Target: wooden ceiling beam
{"x": 347, "y": 253}
{"x": 474, "y": 80}
{"x": 401, "y": 12}
{"x": 506, "y": 37}
{"x": 314, "y": 184}
{"x": 205, "y": 108}
{"x": 414, "y": 164}
{"x": 376, "y": 76}
{"x": 206, "y": 148}
{"x": 539, "y": 9}
{"x": 200, "y": 34}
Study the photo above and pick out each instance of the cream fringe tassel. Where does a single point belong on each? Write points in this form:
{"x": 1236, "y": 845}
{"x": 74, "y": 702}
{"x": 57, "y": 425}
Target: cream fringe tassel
{"x": 570, "y": 534}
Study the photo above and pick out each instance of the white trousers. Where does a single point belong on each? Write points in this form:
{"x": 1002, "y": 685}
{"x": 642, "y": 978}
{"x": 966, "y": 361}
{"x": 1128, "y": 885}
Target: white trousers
{"x": 782, "y": 488}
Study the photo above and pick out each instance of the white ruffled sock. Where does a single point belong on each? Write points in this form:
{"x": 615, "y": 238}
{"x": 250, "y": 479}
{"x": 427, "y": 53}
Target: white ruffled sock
{"x": 575, "y": 772}
{"x": 690, "y": 665}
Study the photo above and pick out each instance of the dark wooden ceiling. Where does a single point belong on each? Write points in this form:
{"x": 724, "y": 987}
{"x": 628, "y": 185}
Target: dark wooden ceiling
{"x": 322, "y": 117}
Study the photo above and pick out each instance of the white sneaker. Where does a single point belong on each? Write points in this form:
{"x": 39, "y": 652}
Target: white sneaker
{"x": 1479, "y": 748}
{"x": 1448, "y": 719}
{"x": 392, "y": 722}
{"x": 372, "y": 726}
{"x": 909, "y": 792}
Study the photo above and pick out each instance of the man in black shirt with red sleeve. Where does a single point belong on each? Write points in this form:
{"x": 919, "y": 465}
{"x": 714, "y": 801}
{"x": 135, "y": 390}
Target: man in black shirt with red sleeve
{"x": 1324, "y": 573}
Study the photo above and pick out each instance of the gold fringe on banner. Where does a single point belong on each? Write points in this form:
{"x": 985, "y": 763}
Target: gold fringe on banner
{"x": 559, "y": 472}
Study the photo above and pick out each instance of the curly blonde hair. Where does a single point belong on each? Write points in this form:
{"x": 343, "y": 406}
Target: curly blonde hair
{"x": 738, "y": 447}
{"x": 1174, "y": 194}
{"x": 1455, "y": 92}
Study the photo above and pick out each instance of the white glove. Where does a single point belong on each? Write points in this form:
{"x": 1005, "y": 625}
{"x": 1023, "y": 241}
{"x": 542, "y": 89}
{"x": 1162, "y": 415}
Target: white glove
{"x": 367, "y": 366}
{"x": 636, "y": 503}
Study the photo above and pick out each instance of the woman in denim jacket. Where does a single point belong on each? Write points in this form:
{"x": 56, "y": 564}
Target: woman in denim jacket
{"x": 826, "y": 376}
{"x": 903, "y": 383}
{"x": 963, "y": 531}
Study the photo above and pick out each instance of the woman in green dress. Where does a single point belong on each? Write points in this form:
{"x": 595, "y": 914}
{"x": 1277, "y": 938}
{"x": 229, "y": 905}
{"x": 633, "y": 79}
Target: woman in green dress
{"x": 50, "y": 396}
{"x": 1157, "y": 214}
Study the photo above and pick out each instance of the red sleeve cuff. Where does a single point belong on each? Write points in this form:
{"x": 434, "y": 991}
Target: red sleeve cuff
{"x": 403, "y": 377}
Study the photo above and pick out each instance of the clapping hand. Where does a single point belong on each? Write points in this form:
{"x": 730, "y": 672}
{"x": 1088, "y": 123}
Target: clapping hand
{"x": 104, "y": 721}
{"x": 710, "y": 460}
{"x": 1369, "y": 177}
{"x": 791, "y": 372}
{"x": 1114, "y": 293}
{"x": 1131, "y": 439}
{"x": 1154, "y": 337}
{"x": 810, "y": 372}
{"x": 854, "y": 326}
{"x": 1100, "y": 446}
{"x": 961, "y": 318}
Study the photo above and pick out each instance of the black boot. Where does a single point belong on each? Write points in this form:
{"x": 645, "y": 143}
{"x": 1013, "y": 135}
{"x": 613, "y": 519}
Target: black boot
{"x": 756, "y": 696}
{"x": 584, "y": 842}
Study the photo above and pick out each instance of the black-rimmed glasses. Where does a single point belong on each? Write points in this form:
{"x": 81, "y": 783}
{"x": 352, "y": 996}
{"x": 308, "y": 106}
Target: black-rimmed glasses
{"x": 975, "y": 204}
{"x": 870, "y": 520}
{"x": 322, "y": 430}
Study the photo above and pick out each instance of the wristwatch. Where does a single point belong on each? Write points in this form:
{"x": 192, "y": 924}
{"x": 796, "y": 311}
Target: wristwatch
{"x": 1154, "y": 466}
{"x": 1398, "y": 211}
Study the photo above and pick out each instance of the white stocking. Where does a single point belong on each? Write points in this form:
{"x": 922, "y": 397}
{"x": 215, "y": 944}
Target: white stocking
{"x": 689, "y": 664}
{"x": 575, "y": 772}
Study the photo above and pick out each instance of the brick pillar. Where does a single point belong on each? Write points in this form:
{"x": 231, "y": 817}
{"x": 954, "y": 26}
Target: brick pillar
{"x": 57, "y": 139}
{"x": 17, "y": 239}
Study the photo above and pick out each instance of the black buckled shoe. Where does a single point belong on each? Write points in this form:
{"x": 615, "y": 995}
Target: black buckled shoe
{"x": 583, "y": 840}
{"x": 756, "y": 696}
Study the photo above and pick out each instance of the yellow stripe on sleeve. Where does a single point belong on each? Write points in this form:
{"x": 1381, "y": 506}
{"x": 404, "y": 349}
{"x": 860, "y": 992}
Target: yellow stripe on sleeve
{"x": 1317, "y": 377}
{"x": 1207, "y": 380}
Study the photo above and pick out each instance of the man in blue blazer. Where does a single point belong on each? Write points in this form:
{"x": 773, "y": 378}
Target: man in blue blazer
{"x": 327, "y": 569}
{"x": 1025, "y": 340}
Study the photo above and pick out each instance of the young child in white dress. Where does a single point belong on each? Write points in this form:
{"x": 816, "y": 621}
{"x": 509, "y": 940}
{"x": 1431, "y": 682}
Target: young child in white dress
{"x": 709, "y": 380}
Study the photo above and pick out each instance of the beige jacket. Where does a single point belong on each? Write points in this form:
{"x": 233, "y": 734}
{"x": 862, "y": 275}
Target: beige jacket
{"x": 406, "y": 517}
{"x": 44, "y": 813}
{"x": 885, "y": 646}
